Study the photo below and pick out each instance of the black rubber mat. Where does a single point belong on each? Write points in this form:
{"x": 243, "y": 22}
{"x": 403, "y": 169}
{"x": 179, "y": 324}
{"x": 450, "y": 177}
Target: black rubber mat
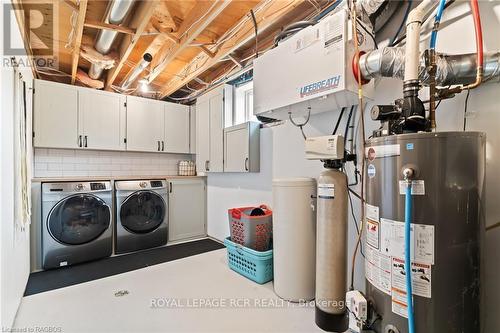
{"x": 67, "y": 276}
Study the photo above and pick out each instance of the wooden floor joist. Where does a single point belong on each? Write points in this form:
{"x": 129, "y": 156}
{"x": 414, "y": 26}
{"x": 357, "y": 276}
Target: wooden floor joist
{"x": 139, "y": 23}
{"x": 107, "y": 26}
{"x": 265, "y": 18}
{"x": 82, "y": 10}
{"x": 202, "y": 15}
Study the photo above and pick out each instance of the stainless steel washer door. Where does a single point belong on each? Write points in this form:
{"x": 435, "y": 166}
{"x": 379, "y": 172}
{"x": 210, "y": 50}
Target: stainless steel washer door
{"x": 78, "y": 219}
{"x": 142, "y": 212}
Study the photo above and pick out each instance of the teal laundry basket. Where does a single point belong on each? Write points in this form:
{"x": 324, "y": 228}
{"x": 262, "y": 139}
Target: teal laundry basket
{"x": 255, "y": 265}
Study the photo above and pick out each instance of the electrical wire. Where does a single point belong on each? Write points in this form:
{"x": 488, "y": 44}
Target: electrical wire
{"x": 256, "y": 33}
{"x": 355, "y": 221}
{"x": 361, "y": 108}
{"x": 301, "y": 125}
{"x": 403, "y": 23}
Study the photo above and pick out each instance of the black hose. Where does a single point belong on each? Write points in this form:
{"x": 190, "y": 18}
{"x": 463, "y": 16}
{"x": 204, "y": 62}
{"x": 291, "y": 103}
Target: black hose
{"x": 338, "y": 121}
{"x": 291, "y": 29}
{"x": 348, "y": 122}
{"x": 256, "y": 33}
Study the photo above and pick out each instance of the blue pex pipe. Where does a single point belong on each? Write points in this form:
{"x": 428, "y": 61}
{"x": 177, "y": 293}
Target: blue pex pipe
{"x": 437, "y": 20}
{"x": 409, "y": 290}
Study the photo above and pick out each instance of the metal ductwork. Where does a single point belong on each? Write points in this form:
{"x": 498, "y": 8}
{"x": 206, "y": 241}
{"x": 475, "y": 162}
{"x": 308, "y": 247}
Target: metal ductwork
{"x": 146, "y": 60}
{"x": 117, "y": 13}
{"x": 451, "y": 69}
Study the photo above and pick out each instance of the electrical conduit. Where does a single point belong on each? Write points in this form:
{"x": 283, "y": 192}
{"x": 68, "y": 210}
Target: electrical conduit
{"x": 408, "y": 274}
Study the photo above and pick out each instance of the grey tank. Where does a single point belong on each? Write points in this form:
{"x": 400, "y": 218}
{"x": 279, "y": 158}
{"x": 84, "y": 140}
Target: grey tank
{"x": 452, "y": 165}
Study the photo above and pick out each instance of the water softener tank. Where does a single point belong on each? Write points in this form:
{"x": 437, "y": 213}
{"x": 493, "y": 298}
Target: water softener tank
{"x": 331, "y": 251}
{"x": 447, "y": 228}
{"x": 294, "y": 238}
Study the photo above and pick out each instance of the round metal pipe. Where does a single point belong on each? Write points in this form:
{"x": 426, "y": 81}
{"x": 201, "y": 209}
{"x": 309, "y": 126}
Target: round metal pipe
{"x": 146, "y": 60}
{"x": 117, "y": 13}
{"x": 451, "y": 69}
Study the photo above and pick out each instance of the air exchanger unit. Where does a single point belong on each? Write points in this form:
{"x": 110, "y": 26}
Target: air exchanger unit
{"x": 311, "y": 70}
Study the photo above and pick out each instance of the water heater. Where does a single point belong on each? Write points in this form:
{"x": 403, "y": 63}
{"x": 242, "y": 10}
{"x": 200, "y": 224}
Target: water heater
{"x": 446, "y": 230}
{"x": 312, "y": 69}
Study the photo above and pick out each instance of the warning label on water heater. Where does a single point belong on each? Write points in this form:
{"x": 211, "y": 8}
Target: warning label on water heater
{"x": 378, "y": 269}
{"x": 420, "y": 276}
{"x": 392, "y": 240}
{"x": 421, "y": 284}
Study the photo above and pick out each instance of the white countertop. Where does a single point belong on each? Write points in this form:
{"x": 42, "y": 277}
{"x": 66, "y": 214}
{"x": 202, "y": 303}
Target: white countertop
{"x": 103, "y": 178}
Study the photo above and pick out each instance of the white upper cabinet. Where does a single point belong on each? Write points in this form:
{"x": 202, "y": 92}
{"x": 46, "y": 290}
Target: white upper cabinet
{"x": 192, "y": 129}
{"x": 176, "y": 128}
{"x": 145, "y": 124}
{"x": 212, "y": 111}
{"x": 242, "y": 148}
{"x": 202, "y": 135}
{"x": 102, "y": 120}
{"x": 67, "y": 116}
{"x": 55, "y": 115}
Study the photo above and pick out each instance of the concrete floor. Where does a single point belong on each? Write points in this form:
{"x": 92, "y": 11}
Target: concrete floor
{"x": 195, "y": 294}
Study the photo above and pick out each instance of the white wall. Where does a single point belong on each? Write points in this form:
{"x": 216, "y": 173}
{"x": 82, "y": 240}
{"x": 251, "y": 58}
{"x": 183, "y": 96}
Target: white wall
{"x": 92, "y": 163}
{"x": 14, "y": 246}
{"x": 225, "y": 191}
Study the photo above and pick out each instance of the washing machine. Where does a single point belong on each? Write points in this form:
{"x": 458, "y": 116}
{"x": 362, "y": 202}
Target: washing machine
{"x": 141, "y": 214}
{"x": 76, "y": 222}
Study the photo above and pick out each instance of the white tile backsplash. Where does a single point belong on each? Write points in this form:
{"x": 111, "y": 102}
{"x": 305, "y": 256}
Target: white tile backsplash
{"x": 71, "y": 163}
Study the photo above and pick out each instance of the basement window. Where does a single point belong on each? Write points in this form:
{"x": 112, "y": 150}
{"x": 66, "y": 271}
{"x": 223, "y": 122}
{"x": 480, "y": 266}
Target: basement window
{"x": 243, "y": 104}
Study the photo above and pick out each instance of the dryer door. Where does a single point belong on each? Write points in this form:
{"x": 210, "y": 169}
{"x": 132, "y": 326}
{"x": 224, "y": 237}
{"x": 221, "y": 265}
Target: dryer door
{"x": 142, "y": 212}
{"x": 78, "y": 219}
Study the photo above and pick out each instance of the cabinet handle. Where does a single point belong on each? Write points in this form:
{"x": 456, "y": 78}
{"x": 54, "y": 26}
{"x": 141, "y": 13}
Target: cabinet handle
{"x": 163, "y": 146}
{"x": 246, "y": 164}
{"x": 158, "y": 145}
{"x": 171, "y": 186}
{"x": 85, "y": 141}
{"x": 79, "y": 141}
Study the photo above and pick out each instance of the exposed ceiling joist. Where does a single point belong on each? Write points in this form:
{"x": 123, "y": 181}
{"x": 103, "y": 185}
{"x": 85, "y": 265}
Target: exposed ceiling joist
{"x": 139, "y": 22}
{"x": 202, "y": 15}
{"x": 82, "y": 10}
{"x": 107, "y": 26}
{"x": 207, "y": 51}
{"x": 265, "y": 18}
{"x": 71, "y": 4}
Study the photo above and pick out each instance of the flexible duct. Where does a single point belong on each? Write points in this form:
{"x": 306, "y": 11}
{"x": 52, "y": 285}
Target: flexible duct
{"x": 116, "y": 15}
{"x": 451, "y": 69}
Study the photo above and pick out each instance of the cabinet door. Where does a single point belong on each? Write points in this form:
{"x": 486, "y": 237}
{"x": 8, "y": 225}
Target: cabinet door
{"x": 202, "y": 135}
{"x": 192, "y": 129}
{"x": 55, "y": 115}
{"x": 145, "y": 124}
{"x": 102, "y": 119}
{"x": 176, "y": 128}
{"x": 236, "y": 157}
{"x": 216, "y": 163}
{"x": 187, "y": 211}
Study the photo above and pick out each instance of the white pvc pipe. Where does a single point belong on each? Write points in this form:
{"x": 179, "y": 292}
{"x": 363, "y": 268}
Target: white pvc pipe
{"x": 413, "y": 26}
